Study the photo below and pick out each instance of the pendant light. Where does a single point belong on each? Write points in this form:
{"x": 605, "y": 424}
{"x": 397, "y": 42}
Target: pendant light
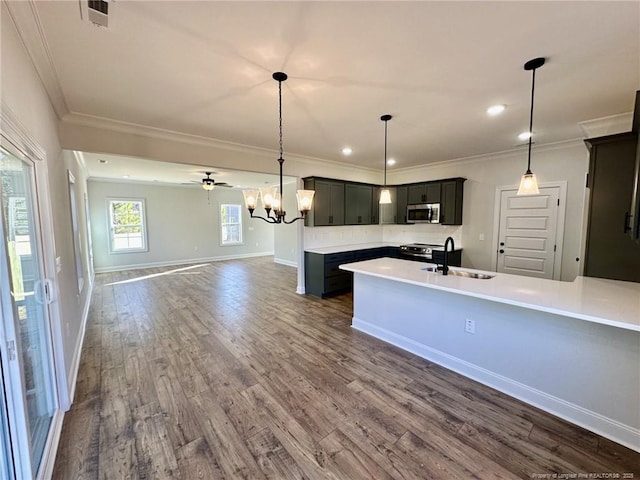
{"x": 272, "y": 199}
{"x": 385, "y": 194}
{"x": 529, "y": 183}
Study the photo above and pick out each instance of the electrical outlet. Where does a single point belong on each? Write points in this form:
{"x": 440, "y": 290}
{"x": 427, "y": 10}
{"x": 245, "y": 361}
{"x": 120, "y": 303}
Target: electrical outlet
{"x": 470, "y": 326}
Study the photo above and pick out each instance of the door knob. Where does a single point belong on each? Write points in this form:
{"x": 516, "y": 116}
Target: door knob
{"x": 501, "y": 251}
{"x": 502, "y": 244}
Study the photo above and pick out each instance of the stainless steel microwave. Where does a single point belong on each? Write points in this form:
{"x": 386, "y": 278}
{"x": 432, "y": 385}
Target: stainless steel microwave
{"x": 423, "y": 213}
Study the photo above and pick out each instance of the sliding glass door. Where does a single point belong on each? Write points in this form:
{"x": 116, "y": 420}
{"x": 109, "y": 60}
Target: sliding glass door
{"x": 6, "y": 459}
{"x": 27, "y": 362}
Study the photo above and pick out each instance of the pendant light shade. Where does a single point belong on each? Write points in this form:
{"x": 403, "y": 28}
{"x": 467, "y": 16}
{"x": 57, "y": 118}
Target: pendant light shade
{"x": 528, "y": 182}
{"x": 385, "y": 194}
{"x": 272, "y": 199}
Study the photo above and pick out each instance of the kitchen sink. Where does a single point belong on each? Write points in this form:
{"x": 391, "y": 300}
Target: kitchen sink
{"x": 463, "y": 273}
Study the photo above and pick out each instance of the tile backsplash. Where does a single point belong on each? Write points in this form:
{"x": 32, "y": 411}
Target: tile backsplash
{"x": 422, "y": 233}
{"x": 317, "y": 237}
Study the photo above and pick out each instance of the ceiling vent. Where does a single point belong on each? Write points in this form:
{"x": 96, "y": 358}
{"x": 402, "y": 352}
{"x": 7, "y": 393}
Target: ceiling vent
{"x": 97, "y": 11}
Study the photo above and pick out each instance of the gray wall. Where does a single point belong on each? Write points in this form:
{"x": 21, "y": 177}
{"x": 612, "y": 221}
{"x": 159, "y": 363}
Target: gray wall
{"x": 182, "y": 226}
{"x": 24, "y": 96}
{"x": 286, "y": 236}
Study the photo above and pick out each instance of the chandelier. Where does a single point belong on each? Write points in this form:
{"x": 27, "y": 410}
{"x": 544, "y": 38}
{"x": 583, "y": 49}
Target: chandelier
{"x": 272, "y": 199}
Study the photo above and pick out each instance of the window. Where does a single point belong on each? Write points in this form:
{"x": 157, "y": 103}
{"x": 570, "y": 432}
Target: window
{"x": 128, "y": 232}
{"x": 230, "y": 224}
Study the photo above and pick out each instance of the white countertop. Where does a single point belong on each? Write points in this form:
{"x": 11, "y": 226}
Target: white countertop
{"x": 350, "y": 248}
{"x": 598, "y": 300}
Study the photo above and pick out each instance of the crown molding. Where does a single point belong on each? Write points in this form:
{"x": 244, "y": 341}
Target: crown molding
{"x": 599, "y": 127}
{"x": 27, "y": 23}
{"x": 91, "y": 121}
{"x": 17, "y": 134}
{"x": 575, "y": 142}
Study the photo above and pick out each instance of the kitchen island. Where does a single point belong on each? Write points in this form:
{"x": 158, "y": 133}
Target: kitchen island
{"x": 570, "y": 348}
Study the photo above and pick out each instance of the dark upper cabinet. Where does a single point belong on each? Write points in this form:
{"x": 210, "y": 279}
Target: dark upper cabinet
{"x": 634, "y": 209}
{"x": 328, "y": 202}
{"x": 402, "y": 193}
{"x": 424, "y": 193}
{"x": 358, "y": 199}
{"x": 375, "y": 205}
{"x": 610, "y": 250}
{"x": 451, "y": 201}
{"x": 338, "y": 202}
{"x": 635, "y": 199}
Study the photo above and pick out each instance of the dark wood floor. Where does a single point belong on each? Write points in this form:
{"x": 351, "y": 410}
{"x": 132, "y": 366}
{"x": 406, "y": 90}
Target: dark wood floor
{"x": 222, "y": 371}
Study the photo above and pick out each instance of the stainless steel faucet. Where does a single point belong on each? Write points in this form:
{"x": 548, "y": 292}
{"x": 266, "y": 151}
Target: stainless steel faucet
{"x": 445, "y": 264}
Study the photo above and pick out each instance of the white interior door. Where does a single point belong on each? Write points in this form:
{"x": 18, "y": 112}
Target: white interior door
{"x": 527, "y": 237}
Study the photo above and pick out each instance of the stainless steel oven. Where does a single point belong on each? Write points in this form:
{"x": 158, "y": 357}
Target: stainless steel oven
{"x": 422, "y": 252}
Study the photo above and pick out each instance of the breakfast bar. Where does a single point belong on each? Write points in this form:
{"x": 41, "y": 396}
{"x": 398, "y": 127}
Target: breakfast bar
{"x": 569, "y": 348}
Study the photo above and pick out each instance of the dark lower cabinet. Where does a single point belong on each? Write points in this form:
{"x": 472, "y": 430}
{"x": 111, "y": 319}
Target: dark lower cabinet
{"x": 322, "y": 274}
{"x": 610, "y": 250}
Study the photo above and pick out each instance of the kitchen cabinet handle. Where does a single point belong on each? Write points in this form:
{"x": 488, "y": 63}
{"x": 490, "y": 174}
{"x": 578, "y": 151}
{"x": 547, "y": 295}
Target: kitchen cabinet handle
{"x": 627, "y": 222}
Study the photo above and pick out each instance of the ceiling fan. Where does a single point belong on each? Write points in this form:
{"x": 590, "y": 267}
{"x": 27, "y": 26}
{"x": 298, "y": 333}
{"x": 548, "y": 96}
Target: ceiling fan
{"x": 208, "y": 183}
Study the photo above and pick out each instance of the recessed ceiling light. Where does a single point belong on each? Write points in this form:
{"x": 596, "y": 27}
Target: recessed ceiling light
{"x": 125, "y": 176}
{"x": 347, "y": 151}
{"x": 495, "y": 110}
{"x": 524, "y": 136}
{"x": 391, "y": 161}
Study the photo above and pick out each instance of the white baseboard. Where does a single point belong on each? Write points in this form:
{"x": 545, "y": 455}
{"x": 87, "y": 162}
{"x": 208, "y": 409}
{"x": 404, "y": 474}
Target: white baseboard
{"x": 288, "y": 263}
{"x": 189, "y": 261}
{"x": 75, "y": 363}
{"x": 604, "y": 426}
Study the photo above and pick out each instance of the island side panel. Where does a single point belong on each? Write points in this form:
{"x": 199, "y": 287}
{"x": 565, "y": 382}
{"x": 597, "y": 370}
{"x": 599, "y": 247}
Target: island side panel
{"x": 584, "y": 372}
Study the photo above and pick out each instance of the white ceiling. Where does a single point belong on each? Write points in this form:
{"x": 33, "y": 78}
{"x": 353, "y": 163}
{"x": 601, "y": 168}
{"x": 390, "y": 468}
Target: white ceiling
{"x": 204, "y": 68}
